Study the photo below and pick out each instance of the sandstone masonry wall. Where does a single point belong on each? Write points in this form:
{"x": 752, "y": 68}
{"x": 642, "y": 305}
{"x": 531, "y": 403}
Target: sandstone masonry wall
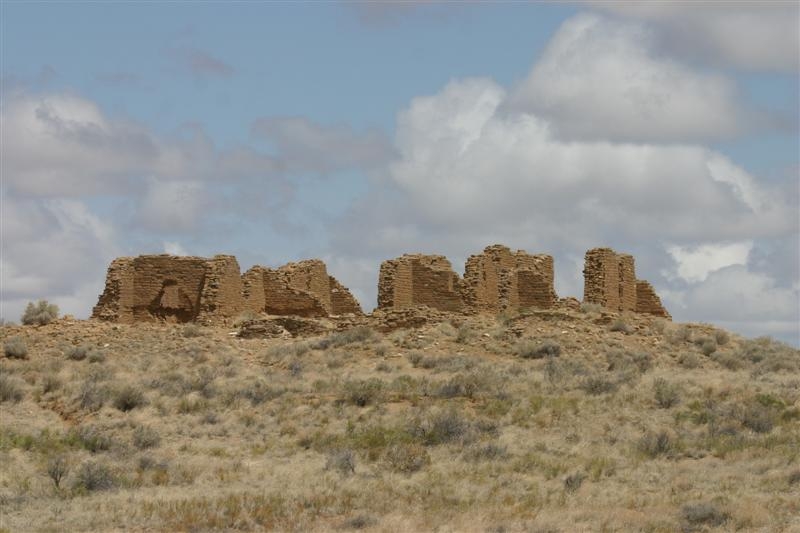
{"x": 610, "y": 280}
{"x": 499, "y": 279}
{"x": 647, "y": 301}
{"x": 419, "y": 279}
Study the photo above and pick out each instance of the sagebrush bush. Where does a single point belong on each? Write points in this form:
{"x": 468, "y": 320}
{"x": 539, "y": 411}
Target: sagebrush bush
{"x": 655, "y": 444}
{"x": 57, "y": 468}
{"x": 91, "y": 438}
{"x": 363, "y": 392}
{"x": 94, "y": 476}
{"x": 574, "y": 481}
{"x": 40, "y": 313}
{"x": 343, "y": 461}
{"x": 92, "y": 395}
{"x": 597, "y": 384}
{"x": 588, "y": 307}
{"x": 666, "y": 394}
{"x": 704, "y": 513}
{"x": 78, "y": 353}
{"x": 15, "y": 348}
{"x": 10, "y": 389}
{"x": 537, "y": 350}
{"x": 621, "y": 326}
{"x": 406, "y": 458}
{"x": 145, "y": 437}
{"x": 440, "y": 427}
{"x": 129, "y": 397}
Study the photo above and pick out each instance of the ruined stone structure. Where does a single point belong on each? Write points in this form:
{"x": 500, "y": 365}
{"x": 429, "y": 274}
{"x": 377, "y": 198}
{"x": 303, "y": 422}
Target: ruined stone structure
{"x": 184, "y": 289}
{"x": 610, "y": 280}
{"x": 302, "y": 289}
{"x": 647, "y": 301}
{"x": 418, "y": 279}
{"x": 174, "y": 289}
{"x": 501, "y": 280}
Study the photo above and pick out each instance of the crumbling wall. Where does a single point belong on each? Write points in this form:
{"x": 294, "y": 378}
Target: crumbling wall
{"x": 627, "y": 282}
{"x": 418, "y": 279}
{"x": 499, "y": 280}
{"x": 303, "y": 289}
{"x": 601, "y": 278}
{"x": 647, "y": 301}
{"x": 170, "y": 288}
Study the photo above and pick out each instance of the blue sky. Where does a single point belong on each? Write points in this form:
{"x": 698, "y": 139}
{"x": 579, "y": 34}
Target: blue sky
{"x": 358, "y": 132}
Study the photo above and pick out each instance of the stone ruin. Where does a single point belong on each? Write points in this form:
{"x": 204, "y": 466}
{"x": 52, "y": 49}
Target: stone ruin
{"x": 187, "y": 289}
{"x": 303, "y": 289}
{"x": 610, "y": 281}
{"x": 494, "y": 281}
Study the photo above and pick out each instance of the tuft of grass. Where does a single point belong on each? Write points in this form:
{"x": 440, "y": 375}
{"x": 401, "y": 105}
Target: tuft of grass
{"x": 15, "y": 348}
{"x": 537, "y": 350}
{"x": 357, "y": 334}
{"x": 10, "y": 389}
{"x": 40, "y": 313}
{"x": 129, "y": 397}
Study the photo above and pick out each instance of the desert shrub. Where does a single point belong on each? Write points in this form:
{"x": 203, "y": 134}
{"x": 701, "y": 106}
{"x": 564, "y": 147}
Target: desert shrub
{"x": 537, "y": 350}
{"x": 50, "y": 383}
{"x": 486, "y": 452}
{"x": 574, "y": 481}
{"x": 361, "y": 521}
{"x": 666, "y": 394}
{"x": 57, "y": 468}
{"x": 96, "y": 356}
{"x": 689, "y": 360}
{"x": 192, "y": 330}
{"x": 244, "y": 317}
{"x": 343, "y": 338}
{"x": 258, "y": 392}
{"x": 620, "y": 325}
{"x": 708, "y": 347}
{"x": 588, "y": 307}
{"x": 92, "y": 395}
{"x": 721, "y": 337}
{"x": 40, "y": 313}
{"x": 464, "y": 334}
{"x": 729, "y": 361}
{"x": 469, "y": 385}
{"x": 343, "y": 461}
{"x": 91, "y": 438}
{"x": 794, "y": 477}
{"x": 145, "y": 437}
{"x": 295, "y": 367}
{"x": 622, "y": 361}
{"x": 363, "y": 392}
{"x": 129, "y": 397}
{"x": 406, "y": 458}
{"x": 597, "y": 384}
{"x": 677, "y": 334}
{"x": 94, "y": 476}
{"x": 15, "y": 348}
{"x": 11, "y": 389}
{"x": 655, "y": 444}
{"x": 415, "y": 358}
{"x": 78, "y": 353}
{"x": 758, "y": 418}
{"x": 704, "y": 514}
{"x": 441, "y": 427}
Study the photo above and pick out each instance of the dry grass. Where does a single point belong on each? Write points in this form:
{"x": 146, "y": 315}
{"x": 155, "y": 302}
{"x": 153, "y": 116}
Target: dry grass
{"x": 530, "y": 423}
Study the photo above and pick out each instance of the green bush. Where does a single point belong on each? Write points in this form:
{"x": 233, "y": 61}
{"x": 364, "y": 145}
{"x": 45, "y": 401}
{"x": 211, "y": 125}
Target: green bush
{"x": 40, "y": 313}
{"x": 15, "y": 348}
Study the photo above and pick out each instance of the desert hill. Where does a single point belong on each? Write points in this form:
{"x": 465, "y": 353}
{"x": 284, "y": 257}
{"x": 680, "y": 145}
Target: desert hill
{"x": 571, "y": 418}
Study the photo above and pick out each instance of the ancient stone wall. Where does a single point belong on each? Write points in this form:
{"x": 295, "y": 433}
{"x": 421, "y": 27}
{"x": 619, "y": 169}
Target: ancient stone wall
{"x": 499, "y": 280}
{"x": 647, "y": 301}
{"x": 418, "y": 279}
{"x": 170, "y": 288}
{"x": 627, "y": 282}
{"x": 601, "y": 278}
{"x": 303, "y": 289}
